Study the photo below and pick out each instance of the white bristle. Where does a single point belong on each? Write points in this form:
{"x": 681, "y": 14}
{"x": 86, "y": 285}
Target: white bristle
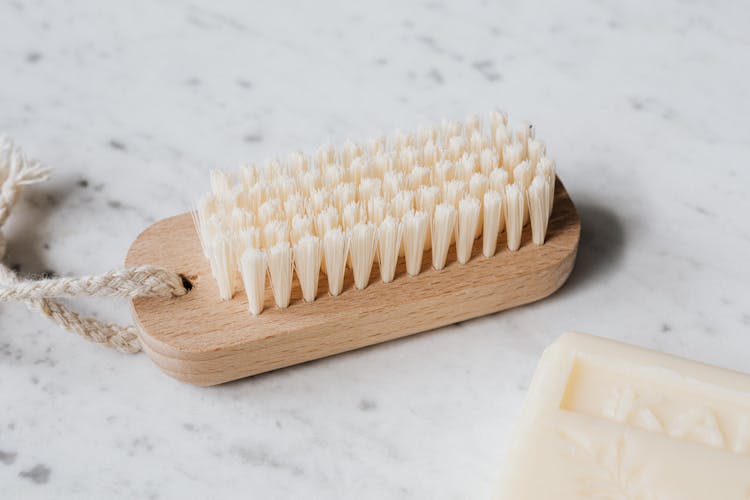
{"x": 512, "y": 156}
{"x": 513, "y": 209}
{"x": 247, "y": 176}
{"x": 478, "y": 185}
{"x": 349, "y": 151}
{"x": 302, "y": 225}
{"x": 205, "y": 209}
{"x": 297, "y": 162}
{"x": 268, "y": 211}
{"x": 406, "y": 159}
{"x": 221, "y": 183}
{"x": 208, "y": 231}
{"x": 390, "y": 232}
{"x": 498, "y": 180}
{"x": 274, "y": 232}
{"x": 402, "y": 203}
{"x": 415, "y": 234}
{"x": 488, "y": 161}
{"x": 497, "y": 118}
{"x": 381, "y": 163}
{"x": 546, "y": 167}
{"x": 351, "y": 215}
{"x": 456, "y": 148}
{"x": 393, "y": 182}
{"x": 325, "y": 155}
{"x": 472, "y": 124}
{"x": 307, "y": 258}
{"x": 537, "y": 150}
{"x": 253, "y": 270}
{"x": 318, "y": 199}
{"x": 376, "y": 144}
{"x": 402, "y": 139}
{"x": 466, "y": 166}
{"x": 255, "y": 196}
{"x": 325, "y": 220}
{"x": 449, "y": 129}
{"x": 284, "y": 187}
{"x": 241, "y": 199}
{"x": 369, "y": 188}
{"x": 430, "y": 154}
{"x": 404, "y": 195}
{"x": 493, "y": 222}
{"x": 310, "y": 181}
{"x": 335, "y": 251}
{"x": 280, "y": 264}
{"x": 426, "y": 134}
{"x": 419, "y": 176}
{"x": 223, "y": 266}
{"x": 477, "y": 142}
{"x": 272, "y": 169}
{"x": 377, "y": 210}
{"x": 466, "y": 228}
{"x": 443, "y": 172}
{"x": 362, "y": 252}
{"x": 356, "y": 170}
{"x": 343, "y": 194}
{"x": 426, "y": 200}
{"x": 294, "y": 204}
{"x": 538, "y": 196}
{"x": 454, "y": 191}
{"x": 502, "y": 138}
{"x": 443, "y": 224}
{"x": 249, "y": 238}
{"x": 333, "y": 175}
{"x": 523, "y": 174}
{"x": 525, "y": 132}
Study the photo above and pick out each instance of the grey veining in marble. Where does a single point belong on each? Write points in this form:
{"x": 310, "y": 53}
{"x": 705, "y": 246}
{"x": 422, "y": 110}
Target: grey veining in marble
{"x": 644, "y": 105}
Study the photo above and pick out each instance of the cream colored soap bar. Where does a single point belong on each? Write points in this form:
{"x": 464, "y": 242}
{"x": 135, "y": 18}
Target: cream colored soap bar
{"x": 608, "y": 420}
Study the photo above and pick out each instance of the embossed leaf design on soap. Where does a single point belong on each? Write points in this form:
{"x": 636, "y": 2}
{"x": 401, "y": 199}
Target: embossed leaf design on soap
{"x": 612, "y": 471}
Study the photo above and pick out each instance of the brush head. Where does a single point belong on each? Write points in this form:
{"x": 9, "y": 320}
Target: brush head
{"x": 396, "y": 197}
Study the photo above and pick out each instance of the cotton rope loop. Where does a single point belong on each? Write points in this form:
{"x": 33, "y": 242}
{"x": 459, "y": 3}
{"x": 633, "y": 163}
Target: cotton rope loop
{"x": 16, "y": 171}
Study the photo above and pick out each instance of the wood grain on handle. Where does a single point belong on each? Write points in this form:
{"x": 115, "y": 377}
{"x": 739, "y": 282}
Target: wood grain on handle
{"x": 201, "y": 340}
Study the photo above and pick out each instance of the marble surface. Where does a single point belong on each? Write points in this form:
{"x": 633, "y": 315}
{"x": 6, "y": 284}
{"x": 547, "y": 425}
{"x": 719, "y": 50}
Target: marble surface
{"x": 644, "y": 105}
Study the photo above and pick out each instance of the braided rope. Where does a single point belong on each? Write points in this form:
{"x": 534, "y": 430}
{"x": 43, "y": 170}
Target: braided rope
{"x": 142, "y": 281}
{"x": 16, "y": 171}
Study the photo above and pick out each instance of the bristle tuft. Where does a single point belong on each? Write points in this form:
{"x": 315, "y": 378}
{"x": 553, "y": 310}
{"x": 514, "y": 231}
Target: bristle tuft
{"x": 493, "y": 222}
{"x": 443, "y": 225}
{"x": 280, "y": 266}
{"x": 335, "y": 249}
{"x": 415, "y": 234}
{"x": 390, "y": 233}
{"x": 307, "y": 258}
{"x": 466, "y": 227}
{"x": 362, "y": 252}
{"x": 253, "y": 270}
{"x": 513, "y": 209}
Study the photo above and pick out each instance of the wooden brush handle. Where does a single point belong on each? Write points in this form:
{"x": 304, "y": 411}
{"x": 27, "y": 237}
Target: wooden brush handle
{"x": 201, "y": 340}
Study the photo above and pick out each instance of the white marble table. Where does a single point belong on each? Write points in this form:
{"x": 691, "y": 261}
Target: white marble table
{"x": 644, "y": 105}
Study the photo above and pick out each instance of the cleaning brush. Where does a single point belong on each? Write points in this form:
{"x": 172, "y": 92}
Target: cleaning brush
{"x": 355, "y": 245}
{"x": 399, "y": 197}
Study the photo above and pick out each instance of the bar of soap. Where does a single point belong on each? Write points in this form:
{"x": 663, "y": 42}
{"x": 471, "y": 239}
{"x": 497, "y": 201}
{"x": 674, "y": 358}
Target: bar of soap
{"x": 608, "y": 420}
